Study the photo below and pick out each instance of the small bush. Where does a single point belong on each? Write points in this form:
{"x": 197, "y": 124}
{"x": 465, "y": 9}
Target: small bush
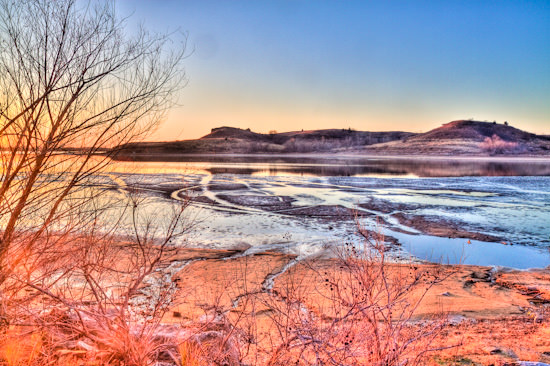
{"x": 496, "y": 145}
{"x": 358, "y": 310}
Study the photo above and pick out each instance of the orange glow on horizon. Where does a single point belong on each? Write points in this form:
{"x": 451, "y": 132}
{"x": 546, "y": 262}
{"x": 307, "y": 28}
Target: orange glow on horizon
{"x": 193, "y": 122}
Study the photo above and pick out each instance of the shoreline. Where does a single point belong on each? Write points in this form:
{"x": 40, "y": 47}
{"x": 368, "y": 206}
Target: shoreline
{"x": 477, "y": 313}
{"x": 521, "y": 285}
{"x": 486, "y": 309}
{"x": 346, "y": 155}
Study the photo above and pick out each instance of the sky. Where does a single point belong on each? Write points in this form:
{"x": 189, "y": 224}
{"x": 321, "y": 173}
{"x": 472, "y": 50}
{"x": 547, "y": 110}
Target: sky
{"x": 369, "y": 65}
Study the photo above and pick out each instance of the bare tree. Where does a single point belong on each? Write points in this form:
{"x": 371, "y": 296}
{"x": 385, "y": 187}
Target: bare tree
{"x": 73, "y": 85}
{"x": 100, "y": 291}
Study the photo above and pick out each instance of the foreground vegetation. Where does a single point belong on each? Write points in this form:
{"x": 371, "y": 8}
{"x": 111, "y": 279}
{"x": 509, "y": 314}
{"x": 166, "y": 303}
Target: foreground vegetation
{"x": 120, "y": 303}
{"x": 89, "y": 278}
{"x": 103, "y": 302}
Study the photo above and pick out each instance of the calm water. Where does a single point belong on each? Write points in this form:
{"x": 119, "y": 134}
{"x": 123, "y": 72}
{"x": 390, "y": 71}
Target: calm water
{"x": 308, "y": 205}
{"x": 346, "y": 166}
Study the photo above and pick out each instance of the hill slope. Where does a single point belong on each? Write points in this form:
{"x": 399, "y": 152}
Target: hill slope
{"x": 476, "y": 131}
{"x": 467, "y": 137}
{"x": 236, "y": 140}
{"x": 463, "y": 137}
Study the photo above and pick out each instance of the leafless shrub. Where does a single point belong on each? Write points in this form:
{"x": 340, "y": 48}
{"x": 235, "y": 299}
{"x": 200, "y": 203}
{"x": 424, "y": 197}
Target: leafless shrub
{"x": 496, "y": 145}
{"x": 357, "y": 310}
{"x": 72, "y": 85}
{"x": 100, "y": 292}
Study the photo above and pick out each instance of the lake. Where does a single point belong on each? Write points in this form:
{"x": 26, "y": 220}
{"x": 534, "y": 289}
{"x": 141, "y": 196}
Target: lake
{"x": 472, "y": 211}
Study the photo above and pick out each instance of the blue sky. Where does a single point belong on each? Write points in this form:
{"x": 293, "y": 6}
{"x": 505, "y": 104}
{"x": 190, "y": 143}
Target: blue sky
{"x": 369, "y": 65}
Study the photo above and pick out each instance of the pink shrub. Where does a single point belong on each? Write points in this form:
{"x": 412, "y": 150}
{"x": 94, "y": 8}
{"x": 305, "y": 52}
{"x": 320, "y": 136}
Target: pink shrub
{"x": 496, "y": 145}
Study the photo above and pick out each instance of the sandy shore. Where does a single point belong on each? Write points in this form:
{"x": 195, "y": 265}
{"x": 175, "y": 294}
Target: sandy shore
{"x": 494, "y": 316}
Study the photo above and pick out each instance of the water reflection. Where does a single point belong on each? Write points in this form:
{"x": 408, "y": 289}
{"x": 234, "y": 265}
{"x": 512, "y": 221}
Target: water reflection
{"x": 350, "y": 166}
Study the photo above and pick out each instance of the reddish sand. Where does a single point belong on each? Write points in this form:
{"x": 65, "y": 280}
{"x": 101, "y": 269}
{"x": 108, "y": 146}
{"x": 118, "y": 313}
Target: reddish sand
{"x": 495, "y": 317}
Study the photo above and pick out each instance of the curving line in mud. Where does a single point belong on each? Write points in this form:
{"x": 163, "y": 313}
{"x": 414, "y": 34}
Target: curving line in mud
{"x": 345, "y": 210}
{"x": 119, "y": 184}
{"x": 465, "y": 208}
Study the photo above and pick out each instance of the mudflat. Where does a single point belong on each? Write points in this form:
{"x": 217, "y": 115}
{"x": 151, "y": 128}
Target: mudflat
{"x": 492, "y": 316}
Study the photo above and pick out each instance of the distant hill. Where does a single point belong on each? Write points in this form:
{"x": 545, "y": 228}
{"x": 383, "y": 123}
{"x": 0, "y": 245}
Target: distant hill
{"x": 236, "y": 140}
{"x": 467, "y": 137}
{"x": 320, "y": 140}
{"x": 463, "y": 137}
{"x": 236, "y": 133}
{"x": 474, "y": 130}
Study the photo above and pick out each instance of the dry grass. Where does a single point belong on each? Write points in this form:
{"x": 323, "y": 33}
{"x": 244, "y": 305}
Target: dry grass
{"x": 357, "y": 309}
{"x": 18, "y": 350}
{"x": 191, "y": 354}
